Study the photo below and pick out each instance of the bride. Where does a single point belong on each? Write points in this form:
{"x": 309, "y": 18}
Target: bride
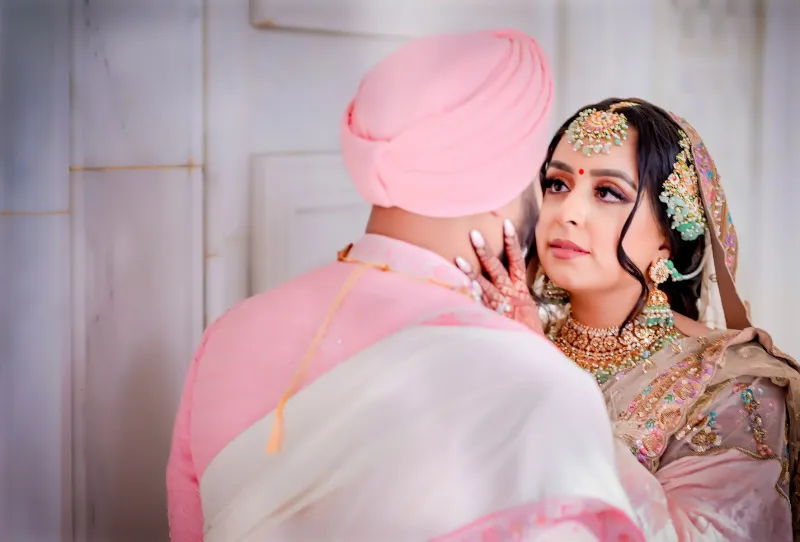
{"x": 637, "y": 254}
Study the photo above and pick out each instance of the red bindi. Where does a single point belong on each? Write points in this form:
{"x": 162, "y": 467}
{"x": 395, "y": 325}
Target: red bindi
{"x": 580, "y": 171}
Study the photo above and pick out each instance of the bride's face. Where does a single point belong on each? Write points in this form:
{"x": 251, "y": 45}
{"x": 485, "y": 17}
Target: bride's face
{"x": 587, "y": 200}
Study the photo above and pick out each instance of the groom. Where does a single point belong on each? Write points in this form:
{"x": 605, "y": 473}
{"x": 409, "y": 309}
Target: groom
{"x": 391, "y": 404}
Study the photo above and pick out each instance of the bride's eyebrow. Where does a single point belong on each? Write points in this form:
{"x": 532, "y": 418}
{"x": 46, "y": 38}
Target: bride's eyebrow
{"x": 613, "y": 173}
{"x": 558, "y": 164}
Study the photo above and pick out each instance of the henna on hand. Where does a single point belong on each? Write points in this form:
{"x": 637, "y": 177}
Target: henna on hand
{"x": 491, "y": 264}
{"x": 506, "y": 291}
{"x": 517, "y": 270}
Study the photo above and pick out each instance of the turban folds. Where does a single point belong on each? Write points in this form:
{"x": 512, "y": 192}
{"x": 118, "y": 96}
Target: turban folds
{"x": 450, "y": 125}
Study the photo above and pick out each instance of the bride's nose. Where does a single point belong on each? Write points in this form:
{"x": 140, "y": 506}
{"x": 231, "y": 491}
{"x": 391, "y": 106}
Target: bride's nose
{"x": 574, "y": 208}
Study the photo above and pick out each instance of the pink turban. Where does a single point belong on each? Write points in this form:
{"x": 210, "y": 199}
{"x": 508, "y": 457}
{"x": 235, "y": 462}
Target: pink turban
{"x": 450, "y": 125}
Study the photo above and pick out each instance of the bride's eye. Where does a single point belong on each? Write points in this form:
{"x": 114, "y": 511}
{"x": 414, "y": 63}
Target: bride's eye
{"x": 610, "y": 195}
{"x": 554, "y": 185}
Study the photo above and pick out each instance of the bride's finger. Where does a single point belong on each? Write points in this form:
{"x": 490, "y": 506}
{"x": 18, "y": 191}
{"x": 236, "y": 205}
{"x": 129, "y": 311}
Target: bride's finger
{"x": 499, "y": 303}
{"x": 491, "y": 263}
{"x": 517, "y": 269}
{"x": 482, "y": 288}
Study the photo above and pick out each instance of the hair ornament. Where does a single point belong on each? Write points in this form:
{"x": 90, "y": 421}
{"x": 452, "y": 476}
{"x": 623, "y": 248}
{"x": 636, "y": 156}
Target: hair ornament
{"x": 681, "y": 194}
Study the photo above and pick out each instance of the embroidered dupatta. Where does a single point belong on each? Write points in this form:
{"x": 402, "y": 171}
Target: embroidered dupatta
{"x": 714, "y": 424}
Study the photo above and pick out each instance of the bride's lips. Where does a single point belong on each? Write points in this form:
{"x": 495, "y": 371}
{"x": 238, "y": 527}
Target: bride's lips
{"x": 566, "y": 250}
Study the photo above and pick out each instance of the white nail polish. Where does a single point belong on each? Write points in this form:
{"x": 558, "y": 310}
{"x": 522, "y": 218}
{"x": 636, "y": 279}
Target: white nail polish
{"x": 476, "y": 291}
{"x": 463, "y": 265}
{"x": 508, "y": 228}
{"x": 477, "y": 239}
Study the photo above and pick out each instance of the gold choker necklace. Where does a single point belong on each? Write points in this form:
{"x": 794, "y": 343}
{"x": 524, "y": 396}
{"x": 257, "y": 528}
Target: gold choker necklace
{"x": 606, "y": 352}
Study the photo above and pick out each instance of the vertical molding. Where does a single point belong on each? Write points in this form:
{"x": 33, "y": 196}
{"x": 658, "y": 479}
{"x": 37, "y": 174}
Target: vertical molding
{"x": 183, "y": 21}
{"x": 228, "y": 110}
{"x": 137, "y": 256}
{"x": 35, "y": 490}
{"x": 755, "y": 191}
{"x": 198, "y": 251}
{"x": 80, "y": 494}
{"x": 79, "y": 445}
{"x": 204, "y": 199}
{"x": 68, "y": 385}
{"x": 562, "y": 56}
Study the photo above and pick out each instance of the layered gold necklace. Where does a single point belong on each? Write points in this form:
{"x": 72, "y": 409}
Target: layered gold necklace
{"x": 606, "y": 352}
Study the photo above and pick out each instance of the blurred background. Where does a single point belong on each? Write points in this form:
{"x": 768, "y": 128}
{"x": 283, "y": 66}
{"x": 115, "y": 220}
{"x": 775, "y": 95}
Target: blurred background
{"x": 163, "y": 159}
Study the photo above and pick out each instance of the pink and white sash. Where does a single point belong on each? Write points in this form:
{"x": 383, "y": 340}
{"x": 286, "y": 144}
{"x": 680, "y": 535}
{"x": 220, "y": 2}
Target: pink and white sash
{"x": 434, "y": 430}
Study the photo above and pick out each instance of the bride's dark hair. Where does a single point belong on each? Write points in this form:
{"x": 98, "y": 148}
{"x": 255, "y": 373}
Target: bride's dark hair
{"x": 656, "y": 150}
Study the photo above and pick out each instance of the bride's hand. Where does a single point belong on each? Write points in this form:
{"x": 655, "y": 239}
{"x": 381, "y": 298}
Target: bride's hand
{"x": 507, "y": 292}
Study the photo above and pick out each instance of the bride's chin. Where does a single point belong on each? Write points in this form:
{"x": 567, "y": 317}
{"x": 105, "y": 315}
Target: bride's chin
{"x": 561, "y": 280}
{"x": 568, "y": 279}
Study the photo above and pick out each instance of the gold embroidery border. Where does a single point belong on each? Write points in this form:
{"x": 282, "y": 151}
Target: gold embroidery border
{"x": 695, "y": 423}
{"x": 649, "y": 405}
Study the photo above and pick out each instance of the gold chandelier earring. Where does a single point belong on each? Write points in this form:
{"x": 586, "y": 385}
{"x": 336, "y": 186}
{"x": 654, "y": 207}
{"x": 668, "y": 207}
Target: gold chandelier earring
{"x": 657, "y": 311}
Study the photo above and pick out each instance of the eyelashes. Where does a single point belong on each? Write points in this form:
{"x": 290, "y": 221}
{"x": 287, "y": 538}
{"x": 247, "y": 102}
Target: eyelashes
{"x": 606, "y": 194}
{"x": 607, "y": 191}
{"x": 551, "y": 183}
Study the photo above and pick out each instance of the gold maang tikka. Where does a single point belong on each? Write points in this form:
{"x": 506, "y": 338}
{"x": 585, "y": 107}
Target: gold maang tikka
{"x": 594, "y": 132}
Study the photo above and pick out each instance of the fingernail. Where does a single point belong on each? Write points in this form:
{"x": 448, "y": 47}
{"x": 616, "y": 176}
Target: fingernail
{"x": 463, "y": 265}
{"x": 476, "y": 288}
{"x": 508, "y": 228}
{"x": 477, "y": 239}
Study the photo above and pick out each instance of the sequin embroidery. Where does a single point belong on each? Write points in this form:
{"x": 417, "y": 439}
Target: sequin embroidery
{"x": 659, "y": 409}
{"x": 756, "y": 424}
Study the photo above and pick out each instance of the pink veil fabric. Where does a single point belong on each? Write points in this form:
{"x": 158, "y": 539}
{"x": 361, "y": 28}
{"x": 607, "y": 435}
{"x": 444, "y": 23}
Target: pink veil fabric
{"x": 584, "y": 520}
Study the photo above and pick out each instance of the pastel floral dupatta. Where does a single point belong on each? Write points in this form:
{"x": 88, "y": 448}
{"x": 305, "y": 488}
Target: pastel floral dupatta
{"x": 713, "y": 419}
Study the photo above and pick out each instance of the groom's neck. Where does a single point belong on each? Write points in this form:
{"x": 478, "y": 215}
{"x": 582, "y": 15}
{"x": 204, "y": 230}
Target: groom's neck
{"x": 447, "y": 237}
